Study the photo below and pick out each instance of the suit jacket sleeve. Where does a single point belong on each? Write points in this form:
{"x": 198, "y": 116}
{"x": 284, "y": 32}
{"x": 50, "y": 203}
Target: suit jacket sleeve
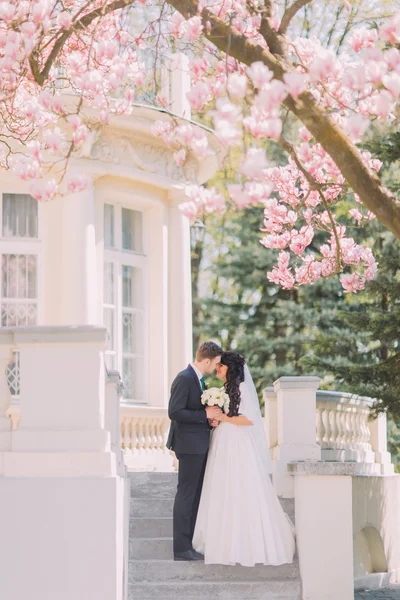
{"x": 177, "y": 410}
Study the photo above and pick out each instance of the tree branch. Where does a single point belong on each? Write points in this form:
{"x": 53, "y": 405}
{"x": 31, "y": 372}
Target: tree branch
{"x": 290, "y": 13}
{"x": 373, "y": 194}
{"x": 41, "y": 76}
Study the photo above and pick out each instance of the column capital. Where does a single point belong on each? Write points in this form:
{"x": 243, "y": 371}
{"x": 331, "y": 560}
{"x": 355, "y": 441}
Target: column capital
{"x": 297, "y": 383}
{"x": 176, "y": 195}
{"x": 269, "y": 393}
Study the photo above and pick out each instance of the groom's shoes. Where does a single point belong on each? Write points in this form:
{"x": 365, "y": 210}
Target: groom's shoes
{"x": 188, "y": 555}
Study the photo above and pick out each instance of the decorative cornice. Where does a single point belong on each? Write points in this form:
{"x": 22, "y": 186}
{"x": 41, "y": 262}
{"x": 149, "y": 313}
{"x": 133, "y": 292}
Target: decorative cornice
{"x": 115, "y": 147}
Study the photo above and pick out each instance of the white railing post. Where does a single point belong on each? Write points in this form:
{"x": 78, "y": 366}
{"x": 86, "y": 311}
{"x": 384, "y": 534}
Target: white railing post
{"x": 6, "y": 341}
{"x": 112, "y": 415}
{"x": 324, "y": 529}
{"x": 271, "y": 416}
{"x": 378, "y": 431}
{"x": 61, "y": 487}
{"x": 296, "y": 439}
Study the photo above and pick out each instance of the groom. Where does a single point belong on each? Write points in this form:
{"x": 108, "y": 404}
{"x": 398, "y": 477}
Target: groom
{"x": 189, "y": 438}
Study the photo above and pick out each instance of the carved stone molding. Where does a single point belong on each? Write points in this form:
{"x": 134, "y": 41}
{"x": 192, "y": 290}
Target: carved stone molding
{"x": 134, "y": 153}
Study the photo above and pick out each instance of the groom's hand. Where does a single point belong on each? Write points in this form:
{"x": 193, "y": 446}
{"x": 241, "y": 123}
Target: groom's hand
{"x": 213, "y": 411}
{"x": 214, "y": 422}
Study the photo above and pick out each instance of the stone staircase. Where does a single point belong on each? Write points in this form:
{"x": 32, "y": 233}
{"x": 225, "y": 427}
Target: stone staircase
{"x": 154, "y": 575}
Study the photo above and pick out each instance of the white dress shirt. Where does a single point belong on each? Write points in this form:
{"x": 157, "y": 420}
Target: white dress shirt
{"x": 198, "y": 373}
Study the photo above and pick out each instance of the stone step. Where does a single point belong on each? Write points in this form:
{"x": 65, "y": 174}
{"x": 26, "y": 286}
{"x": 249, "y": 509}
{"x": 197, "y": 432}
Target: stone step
{"x": 151, "y": 527}
{"x": 166, "y": 571}
{"x": 162, "y": 507}
{"x": 148, "y": 484}
{"x": 150, "y": 549}
{"x": 226, "y": 590}
{"x": 151, "y": 507}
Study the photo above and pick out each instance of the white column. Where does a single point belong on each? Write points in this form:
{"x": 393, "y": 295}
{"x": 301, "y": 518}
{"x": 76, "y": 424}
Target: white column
{"x": 180, "y": 343}
{"x": 178, "y": 85}
{"x": 271, "y": 416}
{"x": 6, "y": 341}
{"x": 157, "y": 348}
{"x": 324, "y": 536}
{"x": 296, "y": 438}
{"x": 79, "y": 303}
{"x": 378, "y": 429}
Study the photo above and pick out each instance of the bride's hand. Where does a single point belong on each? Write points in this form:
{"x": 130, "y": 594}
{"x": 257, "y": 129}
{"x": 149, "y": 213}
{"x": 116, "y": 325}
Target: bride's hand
{"x": 221, "y": 417}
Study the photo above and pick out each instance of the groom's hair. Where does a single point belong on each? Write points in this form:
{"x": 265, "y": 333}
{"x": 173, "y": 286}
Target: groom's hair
{"x": 208, "y": 350}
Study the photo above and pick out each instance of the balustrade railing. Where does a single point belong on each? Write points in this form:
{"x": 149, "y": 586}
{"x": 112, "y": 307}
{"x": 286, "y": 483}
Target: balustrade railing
{"x": 343, "y": 430}
{"x": 144, "y": 430}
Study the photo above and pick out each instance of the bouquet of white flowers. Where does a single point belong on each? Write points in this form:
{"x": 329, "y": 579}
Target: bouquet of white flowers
{"x": 216, "y": 397}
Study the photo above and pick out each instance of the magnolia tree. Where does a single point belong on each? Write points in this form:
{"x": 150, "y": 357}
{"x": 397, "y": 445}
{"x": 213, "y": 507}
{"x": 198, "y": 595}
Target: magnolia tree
{"x": 250, "y": 76}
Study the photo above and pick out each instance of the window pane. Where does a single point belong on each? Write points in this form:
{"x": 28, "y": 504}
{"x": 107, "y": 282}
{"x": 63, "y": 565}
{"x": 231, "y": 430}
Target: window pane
{"x": 19, "y": 276}
{"x": 13, "y": 374}
{"x": 132, "y": 287}
{"x": 18, "y": 284}
{"x": 20, "y": 216}
{"x": 132, "y": 230}
{"x": 108, "y": 283}
{"x": 109, "y": 226}
{"x": 132, "y": 333}
{"x": 132, "y": 378}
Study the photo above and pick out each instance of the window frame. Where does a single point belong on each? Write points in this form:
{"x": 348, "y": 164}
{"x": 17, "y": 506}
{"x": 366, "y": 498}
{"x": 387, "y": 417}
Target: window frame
{"x": 26, "y": 246}
{"x": 120, "y": 257}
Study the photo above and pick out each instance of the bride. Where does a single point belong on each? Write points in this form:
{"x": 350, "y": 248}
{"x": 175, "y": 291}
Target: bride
{"x": 240, "y": 519}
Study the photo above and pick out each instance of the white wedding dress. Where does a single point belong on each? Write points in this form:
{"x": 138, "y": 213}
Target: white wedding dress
{"x": 240, "y": 519}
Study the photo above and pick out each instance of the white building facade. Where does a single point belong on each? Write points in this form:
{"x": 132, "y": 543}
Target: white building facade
{"x": 116, "y": 254}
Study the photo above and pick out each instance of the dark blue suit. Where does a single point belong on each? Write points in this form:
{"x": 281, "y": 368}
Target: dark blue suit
{"x": 189, "y": 438}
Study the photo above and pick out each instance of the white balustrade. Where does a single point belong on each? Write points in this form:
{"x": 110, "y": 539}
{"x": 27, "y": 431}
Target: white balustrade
{"x": 144, "y": 431}
{"x": 343, "y": 427}
{"x": 344, "y": 430}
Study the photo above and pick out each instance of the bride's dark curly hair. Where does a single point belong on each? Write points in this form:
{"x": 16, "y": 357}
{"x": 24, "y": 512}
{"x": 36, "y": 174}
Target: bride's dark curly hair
{"x": 234, "y": 377}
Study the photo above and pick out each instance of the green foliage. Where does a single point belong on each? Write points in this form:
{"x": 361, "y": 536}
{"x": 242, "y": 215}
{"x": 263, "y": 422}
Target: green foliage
{"x": 362, "y": 348}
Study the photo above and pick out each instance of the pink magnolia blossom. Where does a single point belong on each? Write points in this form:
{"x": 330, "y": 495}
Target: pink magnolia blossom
{"x": 263, "y": 128}
{"x": 355, "y": 87}
{"x": 259, "y": 74}
{"x": 191, "y": 29}
{"x": 199, "y": 95}
{"x": 237, "y": 86}
{"x": 363, "y": 38}
{"x": 64, "y": 19}
{"x": 54, "y": 139}
{"x": 227, "y": 132}
{"x": 295, "y": 83}
{"x": 352, "y": 282}
{"x": 356, "y": 214}
{"x": 78, "y": 183}
{"x": 392, "y": 83}
{"x": 323, "y": 66}
{"x": 180, "y": 157}
{"x": 254, "y": 164}
{"x": 44, "y": 189}
{"x": 7, "y": 11}
{"x": 356, "y": 126}
{"x": 390, "y": 31}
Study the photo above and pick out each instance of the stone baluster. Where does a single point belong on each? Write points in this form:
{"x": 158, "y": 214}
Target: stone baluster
{"x": 319, "y": 425}
{"x": 326, "y": 424}
{"x": 378, "y": 430}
